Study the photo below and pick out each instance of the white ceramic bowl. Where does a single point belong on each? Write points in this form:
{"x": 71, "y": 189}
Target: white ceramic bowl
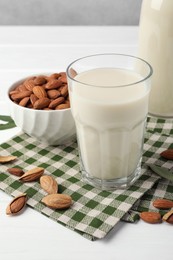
{"x": 53, "y": 127}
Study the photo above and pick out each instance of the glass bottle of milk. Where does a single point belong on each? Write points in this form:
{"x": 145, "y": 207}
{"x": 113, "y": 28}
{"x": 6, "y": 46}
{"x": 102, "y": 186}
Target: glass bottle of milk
{"x": 156, "y": 46}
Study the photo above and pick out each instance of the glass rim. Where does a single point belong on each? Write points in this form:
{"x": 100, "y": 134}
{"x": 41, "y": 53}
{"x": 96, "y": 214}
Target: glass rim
{"x": 110, "y": 54}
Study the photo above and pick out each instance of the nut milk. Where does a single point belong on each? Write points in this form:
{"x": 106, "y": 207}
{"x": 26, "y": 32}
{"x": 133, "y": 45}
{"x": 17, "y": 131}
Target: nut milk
{"x": 156, "y": 46}
{"x": 110, "y": 120}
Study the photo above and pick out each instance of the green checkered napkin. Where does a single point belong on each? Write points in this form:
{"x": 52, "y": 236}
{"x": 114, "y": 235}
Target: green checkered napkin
{"x": 94, "y": 213}
{"x": 161, "y": 138}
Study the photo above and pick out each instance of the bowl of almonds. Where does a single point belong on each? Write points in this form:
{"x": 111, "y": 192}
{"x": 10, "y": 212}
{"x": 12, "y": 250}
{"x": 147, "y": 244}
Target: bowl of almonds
{"x": 40, "y": 106}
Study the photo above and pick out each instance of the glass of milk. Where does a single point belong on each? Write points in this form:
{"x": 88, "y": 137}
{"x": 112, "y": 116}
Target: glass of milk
{"x": 109, "y": 102}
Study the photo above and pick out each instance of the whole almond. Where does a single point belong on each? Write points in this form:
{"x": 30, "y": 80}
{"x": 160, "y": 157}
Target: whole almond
{"x": 54, "y": 76}
{"x": 53, "y": 84}
{"x": 39, "y": 92}
{"x": 64, "y": 91}
{"x": 40, "y": 80}
{"x": 33, "y": 98}
{"x": 167, "y": 154}
{"x": 63, "y": 79}
{"x": 62, "y": 106}
{"x": 162, "y": 204}
{"x": 22, "y": 88}
{"x": 13, "y": 92}
{"x": 168, "y": 217}
{"x": 53, "y": 93}
{"x": 54, "y": 103}
{"x": 57, "y": 201}
{"x": 17, "y": 204}
{"x": 18, "y": 96}
{"x": 29, "y": 84}
{"x": 8, "y": 158}
{"x": 41, "y": 103}
{"x": 151, "y": 217}
{"x": 32, "y": 175}
{"x": 73, "y": 73}
{"x": 15, "y": 171}
{"x": 49, "y": 184}
{"x": 23, "y": 102}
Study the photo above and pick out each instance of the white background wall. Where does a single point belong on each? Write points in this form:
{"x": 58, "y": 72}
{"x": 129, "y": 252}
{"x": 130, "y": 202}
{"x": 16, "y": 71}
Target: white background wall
{"x": 69, "y": 12}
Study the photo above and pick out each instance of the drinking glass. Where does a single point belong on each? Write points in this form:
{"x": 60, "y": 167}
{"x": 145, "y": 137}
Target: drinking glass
{"x": 109, "y": 102}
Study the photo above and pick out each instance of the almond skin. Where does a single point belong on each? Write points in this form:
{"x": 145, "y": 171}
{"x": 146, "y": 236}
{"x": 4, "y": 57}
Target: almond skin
{"x": 8, "y": 158}
{"x": 56, "y": 102}
{"x": 57, "y": 201}
{"x": 168, "y": 217}
{"x": 49, "y": 184}
{"x": 41, "y": 103}
{"x": 29, "y": 84}
{"x": 53, "y": 93}
{"x": 40, "y": 80}
{"x": 16, "y": 205}
{"x": 39, "y": 92}
{"x": 167, "y": 154}
{"x": 151, "y": 217}
{"x": 23, "y": 102}
{"x": 18, "y": 96}
{"x": 63, "y": 106}
{"x": 33, "y": 99}
{"x": 163, "y": 204}
{"x": 53, "y": 84}
{"x": 16, "y": 171}
{"x": 32, "y": 175}
{"x": 64, "y": 91}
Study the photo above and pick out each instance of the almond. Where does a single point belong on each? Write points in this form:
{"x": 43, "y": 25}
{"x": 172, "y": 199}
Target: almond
{"x": 163, "y": 204}
{"x": 40, "y": 80}
{"x": 62, "y": 106}
{"x": 73, "y": 73}
{"x": 53, "y": 84}
{"x": 15, "y": 171}
{"x": 57, "y": 201}
{"x": 41, "y": 103}
{"x": 64, "y": 91}
{"x": 8, "y": 158}
{"x": 23, "y": 102}
{"x": 53, "y": 93}
{"x": 49, "y": 184}
{"x": 18, "y": 96}
{"x": 39, "y": 92}
{"x": 33, "y": 98}
{"x": 151, "y": 217}
{"x": 55, "y": 76}
{"x": 13, "y": 92}
{"x": 63, "y": 79}
{"x": 54, "y": 103}
{"x": 22, "y": 88}
{"x": 168, "y": 217}
{"x": 17, "y": 204}
{"x": 32, "y": 175}
{"x": 29, "y": 84}
{"x": 167, "y": 154}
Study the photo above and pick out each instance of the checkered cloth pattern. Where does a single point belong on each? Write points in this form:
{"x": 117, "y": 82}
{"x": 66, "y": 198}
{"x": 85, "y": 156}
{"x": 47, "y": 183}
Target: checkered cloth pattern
{"x": 159, "y": 137}
{"x": 94, "y": 212}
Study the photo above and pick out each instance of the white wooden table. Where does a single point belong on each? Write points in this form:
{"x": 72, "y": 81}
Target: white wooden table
{"x": 32, "y": 236}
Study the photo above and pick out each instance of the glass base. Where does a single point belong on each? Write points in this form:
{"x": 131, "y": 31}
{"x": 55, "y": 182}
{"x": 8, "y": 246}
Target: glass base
{"x": 112, "y": 184}
{"x": 163, "y": 116}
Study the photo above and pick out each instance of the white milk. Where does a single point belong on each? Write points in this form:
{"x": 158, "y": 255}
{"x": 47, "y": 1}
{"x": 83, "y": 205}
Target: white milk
{"x": 110, "y": 121}
{"x": 156, "y": 46}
